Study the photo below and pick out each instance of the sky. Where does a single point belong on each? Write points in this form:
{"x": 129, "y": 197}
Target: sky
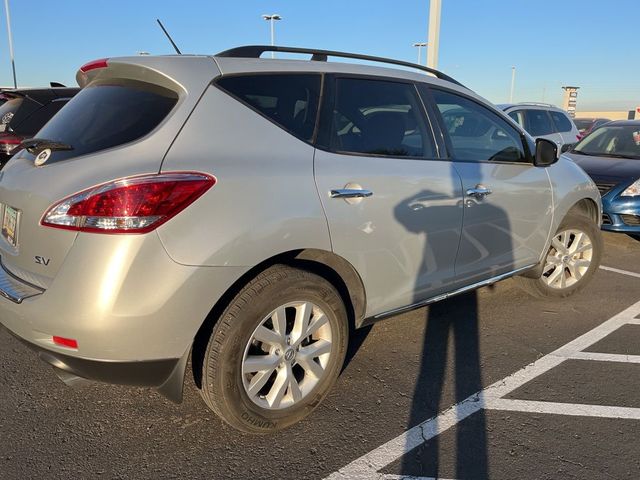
{"x": 592, "y": 44}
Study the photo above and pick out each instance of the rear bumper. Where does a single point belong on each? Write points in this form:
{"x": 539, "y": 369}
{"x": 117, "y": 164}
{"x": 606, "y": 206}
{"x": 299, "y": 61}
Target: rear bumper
{"x": 152, "y": 373}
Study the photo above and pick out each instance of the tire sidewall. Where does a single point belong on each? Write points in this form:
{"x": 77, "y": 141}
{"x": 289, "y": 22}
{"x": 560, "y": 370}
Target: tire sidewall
{"x": 226, "y": 371}
{"x": 587, "y": 226}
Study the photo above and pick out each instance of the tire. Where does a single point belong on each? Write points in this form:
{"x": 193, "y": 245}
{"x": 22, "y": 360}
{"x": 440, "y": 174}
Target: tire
{"x": 556, "y": 283}
{"x": 248, "y": 335}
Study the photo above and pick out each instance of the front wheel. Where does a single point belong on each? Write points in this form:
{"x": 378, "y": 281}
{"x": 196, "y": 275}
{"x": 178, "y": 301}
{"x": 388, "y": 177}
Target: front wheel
{"x": 276, "y": 351}
{"x": 572, "y": 259}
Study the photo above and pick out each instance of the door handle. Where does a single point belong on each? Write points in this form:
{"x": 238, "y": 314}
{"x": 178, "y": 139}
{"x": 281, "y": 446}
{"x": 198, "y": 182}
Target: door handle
{"x": 350, "y": 193}
{"x": 479, "y": 191}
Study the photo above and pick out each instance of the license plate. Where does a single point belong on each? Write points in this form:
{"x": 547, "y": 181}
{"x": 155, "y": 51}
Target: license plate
{"x": 10, "y": 221}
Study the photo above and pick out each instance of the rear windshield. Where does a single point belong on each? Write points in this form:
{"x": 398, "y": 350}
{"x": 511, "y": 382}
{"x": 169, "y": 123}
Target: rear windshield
{"x": 7, "y": 111}
{"x": 582, "y": 124}
{"x": 106, "y": 115}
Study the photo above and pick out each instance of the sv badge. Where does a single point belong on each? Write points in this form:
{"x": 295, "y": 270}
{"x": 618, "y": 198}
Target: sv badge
{"x": 42, "y": 260}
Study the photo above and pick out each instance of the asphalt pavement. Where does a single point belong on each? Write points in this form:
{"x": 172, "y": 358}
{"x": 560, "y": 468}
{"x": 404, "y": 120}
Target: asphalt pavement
{"x": 573, "y": 416}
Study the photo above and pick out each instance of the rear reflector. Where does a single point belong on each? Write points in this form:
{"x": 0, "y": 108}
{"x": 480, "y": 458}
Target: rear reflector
{"x": 100, "y": 63}
{"x": 129, "y": 205}
{"x": 65, "y": 342}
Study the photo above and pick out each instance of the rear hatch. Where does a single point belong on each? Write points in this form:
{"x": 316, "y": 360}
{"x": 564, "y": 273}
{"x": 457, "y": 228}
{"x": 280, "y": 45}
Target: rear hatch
{"x": 120, "y": 124}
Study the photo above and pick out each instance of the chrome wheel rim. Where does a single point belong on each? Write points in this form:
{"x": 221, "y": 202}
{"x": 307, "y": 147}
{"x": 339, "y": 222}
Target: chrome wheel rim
{"x": 287, "y": 355}
{"x": 568, "y": 259}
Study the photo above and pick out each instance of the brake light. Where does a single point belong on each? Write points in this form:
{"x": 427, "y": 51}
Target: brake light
{"x": 129, "y": 205}
{"x": 9, "y": 143}
{"x": 100, "y": 63}
{"x": 65, "y": 342}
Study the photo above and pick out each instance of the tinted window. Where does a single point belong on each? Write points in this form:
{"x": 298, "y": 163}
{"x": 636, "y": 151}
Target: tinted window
{"x": 538, "y": 122}
{"x": 379, "y": 118}
{"x": 35, "y": 121}
{"x": 477, "y": 133}
{"x": 518, "y": 116}
{"x": 102, "y": 116}
{"x": 561, "y": 121}
{"x": 291, "y": 101}
{"x": 7, "y": 112}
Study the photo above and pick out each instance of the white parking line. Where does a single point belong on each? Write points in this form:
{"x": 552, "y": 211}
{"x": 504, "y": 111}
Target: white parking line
{"x": 369, "y": 465}
{"x": 572, "y": 409}
{"x": 605, "y": 357}
{"x": 617, "y": 270}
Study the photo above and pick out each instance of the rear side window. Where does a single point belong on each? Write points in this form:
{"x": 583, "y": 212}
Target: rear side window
{"x": 289, "y": 100}
{"x": 563, "y": 124}
{"x": 518, "y": 116}
{"x": 538, "y": 122}
{"x": 377, "y": 117}
{"x": 105, "y": 115}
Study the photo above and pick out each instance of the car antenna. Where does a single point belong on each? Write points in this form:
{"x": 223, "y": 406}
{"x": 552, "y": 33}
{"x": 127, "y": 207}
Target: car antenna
{"x": 169, "y": 37}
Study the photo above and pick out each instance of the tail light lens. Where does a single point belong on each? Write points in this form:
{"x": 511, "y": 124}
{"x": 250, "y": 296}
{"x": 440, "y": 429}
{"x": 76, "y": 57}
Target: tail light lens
{"x": 129, "y": 205}
{"x": 9, "y": 143}
{"x": 94, "y": 64}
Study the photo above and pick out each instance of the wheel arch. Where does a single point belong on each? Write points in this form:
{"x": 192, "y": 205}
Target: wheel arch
{"x": 333, "y": 268}
{"x": 587, "y": 207}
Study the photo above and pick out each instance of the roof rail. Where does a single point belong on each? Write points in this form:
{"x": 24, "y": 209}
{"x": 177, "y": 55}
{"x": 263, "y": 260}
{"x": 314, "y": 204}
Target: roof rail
{"x": 254, "y": 51}
{"x": 538, "y": 104}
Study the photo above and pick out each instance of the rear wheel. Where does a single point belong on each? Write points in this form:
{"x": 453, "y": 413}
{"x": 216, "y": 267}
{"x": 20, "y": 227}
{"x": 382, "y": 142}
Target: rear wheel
{"x": 572, "y": 259}
{"x": 276, "y": 351}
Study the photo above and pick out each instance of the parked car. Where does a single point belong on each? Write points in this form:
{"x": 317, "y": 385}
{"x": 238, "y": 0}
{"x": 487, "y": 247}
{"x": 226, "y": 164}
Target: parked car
{"x": 587, "y": 125}
{"x": 611, "y": 156}
{"x": 251, "y": 212}
{"x": 543, "y": 120}
{"x": 24, "y": 112}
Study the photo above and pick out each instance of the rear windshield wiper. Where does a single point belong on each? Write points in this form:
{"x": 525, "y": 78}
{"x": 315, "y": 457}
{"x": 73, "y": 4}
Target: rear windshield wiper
{"x": 36, "y": 145}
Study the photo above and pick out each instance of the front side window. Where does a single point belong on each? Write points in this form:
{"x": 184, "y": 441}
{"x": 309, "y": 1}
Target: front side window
{"x": 289, "y": 100}
{"x": 476, "y": 133}
{"x": 561, "y": 121}
{"x": 538, "y": 123}
{"x": 377, "y": 117}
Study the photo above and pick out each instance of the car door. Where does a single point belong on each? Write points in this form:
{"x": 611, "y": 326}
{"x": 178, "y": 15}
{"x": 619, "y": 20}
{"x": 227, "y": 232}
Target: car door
{"x": 393, "y": 207}
{"x": 539, "y": 125}
{"x": 507, "y": 201}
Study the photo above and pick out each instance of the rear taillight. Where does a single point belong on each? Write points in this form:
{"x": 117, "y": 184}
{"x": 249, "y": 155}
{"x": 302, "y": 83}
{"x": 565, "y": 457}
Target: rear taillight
{"x": 100, "y": 63}
{"x": 9, "y": 143}
{"x": 129, "y": 205}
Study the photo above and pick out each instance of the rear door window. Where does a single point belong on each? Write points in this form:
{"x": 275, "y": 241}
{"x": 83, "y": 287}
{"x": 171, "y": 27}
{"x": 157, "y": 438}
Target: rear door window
{"x": 518, "y": 116}
{"x": 289, "y": 100}
{"x": 561, "y": 121}
{"x": 106, "y": 115}
{"x": 378, "y": 117}
{"x": 539, "y": 123}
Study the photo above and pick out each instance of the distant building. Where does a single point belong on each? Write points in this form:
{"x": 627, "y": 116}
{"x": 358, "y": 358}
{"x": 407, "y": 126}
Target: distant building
{"x": 570, "y": 100}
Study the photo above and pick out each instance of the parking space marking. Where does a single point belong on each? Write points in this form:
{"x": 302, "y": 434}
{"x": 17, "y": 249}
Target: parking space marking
{"x": 605, "y": 357}
{"x": 369, "y": 465}
{"x": 617, "y": 270}
{"x": 558, "y": 408}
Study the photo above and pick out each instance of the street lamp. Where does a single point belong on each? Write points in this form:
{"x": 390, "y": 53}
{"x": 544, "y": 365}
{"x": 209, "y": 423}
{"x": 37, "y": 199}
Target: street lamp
{"x": 420, "y": 45}
{"x": 435, "y": 7}
{"x": 271, "y": 19}
{"x": 13, "y": 63}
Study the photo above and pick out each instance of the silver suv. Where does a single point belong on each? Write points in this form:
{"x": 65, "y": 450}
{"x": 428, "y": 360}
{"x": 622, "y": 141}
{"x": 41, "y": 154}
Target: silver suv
{"x": 249, "y": 213}
{"x": 543, "y": 120}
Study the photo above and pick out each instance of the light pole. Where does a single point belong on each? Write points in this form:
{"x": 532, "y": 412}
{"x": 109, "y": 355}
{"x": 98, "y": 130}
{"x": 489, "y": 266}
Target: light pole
{"x": 513, "y": 83}
{"x": 420, "y": 45}
{"x": 271, "y": 19}
{"x": 13, "y": 63}
{"x": 435, "y": 6}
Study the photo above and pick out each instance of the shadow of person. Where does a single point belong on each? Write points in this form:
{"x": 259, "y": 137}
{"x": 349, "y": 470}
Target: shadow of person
{"x": 451, "y": 347}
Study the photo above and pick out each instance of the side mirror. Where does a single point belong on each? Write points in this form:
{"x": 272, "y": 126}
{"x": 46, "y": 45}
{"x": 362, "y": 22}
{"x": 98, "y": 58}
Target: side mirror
{"x": 546, "y": 153}
{"x": 566, "y": 147}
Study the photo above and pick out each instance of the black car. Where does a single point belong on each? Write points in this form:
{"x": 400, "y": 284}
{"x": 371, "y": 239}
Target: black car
{"x": 25, "y": 111}
{"x": 587, "y": 125}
